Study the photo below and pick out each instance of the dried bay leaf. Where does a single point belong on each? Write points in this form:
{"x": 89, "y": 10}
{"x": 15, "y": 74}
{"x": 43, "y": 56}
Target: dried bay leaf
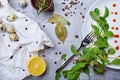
{"x": 57, "y": 18}
{"x": 61, "y": 32}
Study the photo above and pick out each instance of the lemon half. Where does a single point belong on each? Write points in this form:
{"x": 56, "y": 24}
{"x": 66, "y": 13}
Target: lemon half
{"x": 36, "y": 66}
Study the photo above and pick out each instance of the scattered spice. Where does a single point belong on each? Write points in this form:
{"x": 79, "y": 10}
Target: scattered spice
{"x": 80, "y": 13}
{"x": 83, "y": 17}
{"x": 55, "y": 62}
{"x": 59, "y": 42}
{"x": 26, "y": 20}
{"x": 56, "y": 53}
{"x": 76, "y": 36}
{"x": 20, "y": 47}
{"x": 66, "y": 14}
{"x": 29, "y": 55}
{"x": 114, "y": 5}
{"x": 11, "y": 57}
{"x": 68, "y": 23}
{"x": 114, "y": 20}
{"x": 112, "y": 28}
{"x": 73, "y": 2}
{"x": 3, "y": 35}
{"x": 63, "y": 9}
{"x": 43, "y": 26}
{"x": 8, "y": 45}
{"x": 116, "y": 36}
{"x": 68, "y": 7}
{"x": 60, "y": 53}
{"x": 82, "y": 4}
{"x": 44, "y": 56}
{"x": 52, "y": 23}
{"x": 23, "y": 69}
{"x": 117, "y": 48}
{"x": 63, "y": 3}
{"x": 26, "y": 28}
{"x": 116, "y": 28}
{"x": 116, "y": 41}
{"x": 116, "y": 13}
{"x": 111, "y": 12}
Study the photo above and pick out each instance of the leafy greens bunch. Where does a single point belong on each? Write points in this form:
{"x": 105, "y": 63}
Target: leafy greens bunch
{"x": 94, "y": 56}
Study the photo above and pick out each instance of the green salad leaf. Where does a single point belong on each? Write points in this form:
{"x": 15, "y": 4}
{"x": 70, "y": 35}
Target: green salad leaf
{"x": 106, "y": 14}
{"x": 97, "y": 11}
{"x": 108, "y": 34}
{"x": 116, "y": 62}
{"x": 63, "y": 56}
{"x": 74, "y": 50}
{"x": 111, "y": 51}
{"x": 65, "y": 73}
{"x": 57, "y": 76}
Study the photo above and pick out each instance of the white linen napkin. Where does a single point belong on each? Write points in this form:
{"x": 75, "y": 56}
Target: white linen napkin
{"x": 31, "y": 39}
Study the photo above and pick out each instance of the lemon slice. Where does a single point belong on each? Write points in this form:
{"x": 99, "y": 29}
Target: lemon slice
{"x": 36, "y": 66}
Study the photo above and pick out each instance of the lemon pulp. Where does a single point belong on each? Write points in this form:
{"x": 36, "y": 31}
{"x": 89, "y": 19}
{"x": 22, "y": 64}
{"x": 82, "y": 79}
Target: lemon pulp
{"x": 36, "y": 66}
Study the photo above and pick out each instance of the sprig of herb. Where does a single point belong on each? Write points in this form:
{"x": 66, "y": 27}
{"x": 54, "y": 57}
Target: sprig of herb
{"x": 42, "y": 6}
{"x": 63, "y": 56}
{"x": 95, "y": 55}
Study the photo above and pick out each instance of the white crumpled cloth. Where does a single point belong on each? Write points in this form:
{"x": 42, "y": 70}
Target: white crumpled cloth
{"x": 31, "y": 39}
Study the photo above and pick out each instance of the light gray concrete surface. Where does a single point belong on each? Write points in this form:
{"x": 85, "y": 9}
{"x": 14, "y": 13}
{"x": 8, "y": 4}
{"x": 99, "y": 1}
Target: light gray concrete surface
{"x": 74, "y": 29}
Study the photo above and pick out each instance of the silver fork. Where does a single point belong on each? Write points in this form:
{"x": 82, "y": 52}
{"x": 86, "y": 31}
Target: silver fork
{"x": 87, "y": 40}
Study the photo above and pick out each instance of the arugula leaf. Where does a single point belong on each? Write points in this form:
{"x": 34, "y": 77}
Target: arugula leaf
{"x": 74, "y": 50}
{"x": 96, "y": 30}
{"x": 63, "y": 56}
{"x": 108, "y": 34}
{"x": 86, "y": 50}
{"x": 78, "y": 66}
{"x": 95, "y": 50}
{"x": 102, "y": 42}
{"x": 97, "y": 11}
{"x": 106, "y": 14}
{"x": 111, "y": 51}
{"x": 116, "y": 62}
{"x": 74, "y": 76}
{"x": 58, "y": 76}
{"x": 104, "y": 59}
{"x": 94, "y": 16}
{"x": 65, "y": 73}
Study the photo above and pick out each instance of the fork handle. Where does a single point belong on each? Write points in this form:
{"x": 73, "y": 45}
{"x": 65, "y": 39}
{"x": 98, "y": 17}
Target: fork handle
{"x": 65, "y": 63}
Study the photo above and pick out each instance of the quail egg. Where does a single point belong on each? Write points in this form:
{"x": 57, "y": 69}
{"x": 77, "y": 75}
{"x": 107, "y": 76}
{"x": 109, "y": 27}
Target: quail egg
{"x": 12, "y": 17}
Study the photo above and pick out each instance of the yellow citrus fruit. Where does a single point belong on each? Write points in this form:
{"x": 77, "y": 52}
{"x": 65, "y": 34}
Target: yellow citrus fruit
{"x": 36, "y": 66}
